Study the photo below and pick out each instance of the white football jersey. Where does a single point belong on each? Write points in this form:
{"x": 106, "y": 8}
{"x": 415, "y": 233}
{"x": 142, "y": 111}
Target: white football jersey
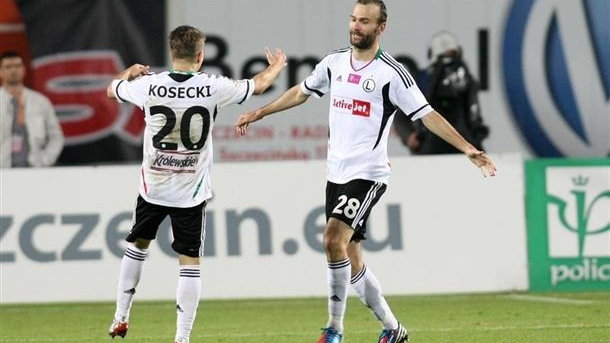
{"x": 180, "y": 110}
{"x": 362, "y": 104}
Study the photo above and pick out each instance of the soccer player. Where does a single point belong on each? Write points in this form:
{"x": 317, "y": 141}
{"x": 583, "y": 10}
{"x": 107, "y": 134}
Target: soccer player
{"x": 366, "y": 87}
{"x": 180, "y": 107}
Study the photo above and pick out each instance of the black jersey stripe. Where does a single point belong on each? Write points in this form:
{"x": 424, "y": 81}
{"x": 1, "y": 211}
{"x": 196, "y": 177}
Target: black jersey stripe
{"x": 329, "y": 76}
{"x": 320, "y": 94}
{"x": 246, "y": 95}
{"x": 116, "y": 91}
{"x": 417, "y": 110}
{"x": 400, "y": 67}
{"x": 338, "y": 51}
{"x": 388, "y": 111}
{"x": 405, "y": 79}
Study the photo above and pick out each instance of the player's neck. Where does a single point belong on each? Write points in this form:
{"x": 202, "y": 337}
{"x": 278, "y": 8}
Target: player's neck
{"x": 184, "y": 67}
{"x": 365, "y": 54}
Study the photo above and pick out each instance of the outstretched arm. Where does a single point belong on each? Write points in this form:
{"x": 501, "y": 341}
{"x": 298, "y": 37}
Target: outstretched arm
{"x": 439, "y": 126}
{"x": 292, "y": 97}
{"x": 265, "y": 78}
{"x": 128, "y": 74}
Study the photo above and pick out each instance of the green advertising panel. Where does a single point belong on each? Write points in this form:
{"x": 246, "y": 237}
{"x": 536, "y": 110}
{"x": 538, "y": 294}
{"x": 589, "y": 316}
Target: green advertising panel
{"x": 568, "y": 224}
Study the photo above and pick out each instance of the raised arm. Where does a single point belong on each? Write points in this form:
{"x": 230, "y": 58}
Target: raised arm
{"x": 128, "y": 74}
{"x": 265, "y": 78}
{"x": 440, "y": 127}
{"x": 291, "y": 98}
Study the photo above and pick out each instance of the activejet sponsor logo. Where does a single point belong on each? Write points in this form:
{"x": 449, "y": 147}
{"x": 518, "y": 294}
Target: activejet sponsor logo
{"x": 352, "y": 106}
{"x": 175, "y": 162}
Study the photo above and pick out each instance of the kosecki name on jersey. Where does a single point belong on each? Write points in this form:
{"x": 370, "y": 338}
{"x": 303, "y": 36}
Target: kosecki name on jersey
{"x": 363, "y": 101}
{"x": 180, "y": 110}
{"x": 179, "y": 92}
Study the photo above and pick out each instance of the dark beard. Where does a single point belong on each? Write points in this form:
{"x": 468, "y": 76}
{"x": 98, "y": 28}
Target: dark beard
{"x": 365, "y": 43}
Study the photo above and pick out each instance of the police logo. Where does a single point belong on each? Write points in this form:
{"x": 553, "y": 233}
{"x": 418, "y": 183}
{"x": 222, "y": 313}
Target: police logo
{"x": 368, "y": 85}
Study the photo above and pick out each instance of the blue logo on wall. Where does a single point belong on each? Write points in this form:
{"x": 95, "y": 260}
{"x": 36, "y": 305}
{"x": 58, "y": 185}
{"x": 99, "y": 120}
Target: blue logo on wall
{"x": 556, "y": 66}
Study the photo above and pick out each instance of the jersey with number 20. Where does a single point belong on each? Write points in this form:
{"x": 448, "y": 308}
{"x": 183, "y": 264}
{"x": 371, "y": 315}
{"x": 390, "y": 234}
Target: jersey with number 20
{"x": 180, "y": 110}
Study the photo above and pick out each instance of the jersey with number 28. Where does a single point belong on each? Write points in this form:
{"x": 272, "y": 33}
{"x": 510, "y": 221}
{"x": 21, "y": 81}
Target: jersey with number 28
{"x": 362, "y": 104}
{"x": 180, "y": 110}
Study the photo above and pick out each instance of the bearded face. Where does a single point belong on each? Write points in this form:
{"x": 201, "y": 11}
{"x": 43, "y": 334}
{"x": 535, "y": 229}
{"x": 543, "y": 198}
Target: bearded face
{"x": 365, "y": 26}
{"x": 361, "y": 40}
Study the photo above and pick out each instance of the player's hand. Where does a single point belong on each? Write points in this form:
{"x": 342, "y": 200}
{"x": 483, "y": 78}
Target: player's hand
{"x": 277, "y": 59}
{"x": 241, "y": 126}
{"x": 412, "y": 142}
{"x": 481, "y": 160}
{"x": 136, "y": 70}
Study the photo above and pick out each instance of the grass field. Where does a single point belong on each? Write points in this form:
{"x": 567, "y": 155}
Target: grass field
{"x": 485, "y": 318}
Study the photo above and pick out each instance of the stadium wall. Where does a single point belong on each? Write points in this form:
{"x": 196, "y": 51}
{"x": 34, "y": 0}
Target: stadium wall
{"x": 440, "y": 228}
{"x": 544, "y": 67}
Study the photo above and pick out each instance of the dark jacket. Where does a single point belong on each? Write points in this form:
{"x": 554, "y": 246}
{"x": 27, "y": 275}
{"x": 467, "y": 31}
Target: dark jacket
{"x": 453, "y": 92}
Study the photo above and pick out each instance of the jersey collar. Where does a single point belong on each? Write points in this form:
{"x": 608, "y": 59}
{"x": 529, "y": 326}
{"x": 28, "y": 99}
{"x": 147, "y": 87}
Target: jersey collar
{"x": 377, "y": 55}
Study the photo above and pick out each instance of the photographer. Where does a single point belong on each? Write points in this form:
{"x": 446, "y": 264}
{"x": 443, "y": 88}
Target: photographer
{"x": 453, "y": 91}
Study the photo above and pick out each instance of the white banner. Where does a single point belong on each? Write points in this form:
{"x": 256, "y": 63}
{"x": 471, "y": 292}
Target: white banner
{"x": 545, "y": 78}
{"x": 441, "y": 227}
{"x": 307, "y": 31}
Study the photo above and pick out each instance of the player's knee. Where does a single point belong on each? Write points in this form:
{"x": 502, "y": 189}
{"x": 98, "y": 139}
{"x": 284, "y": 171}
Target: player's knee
{"x": 333, "y": 243}
{"x": 142, "y": 243}
{"x": 191, "y": 250}
{"x": 185, "y": 260}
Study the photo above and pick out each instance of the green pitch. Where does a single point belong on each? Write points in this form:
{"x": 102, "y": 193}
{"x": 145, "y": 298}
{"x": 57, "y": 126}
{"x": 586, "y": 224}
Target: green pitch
{"x": 485, "y": 318}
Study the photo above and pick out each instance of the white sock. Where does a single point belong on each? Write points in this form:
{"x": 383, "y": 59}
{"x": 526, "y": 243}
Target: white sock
{"x": 338, "y": 279}
{"x": 131, "y": 269}
{"x": 187, "y": 299}
{"x": 369, "y": 290}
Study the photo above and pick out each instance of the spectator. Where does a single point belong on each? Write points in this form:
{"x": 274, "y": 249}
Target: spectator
{"x": 453, "y": 91}
{"x": 30, "y": 132}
